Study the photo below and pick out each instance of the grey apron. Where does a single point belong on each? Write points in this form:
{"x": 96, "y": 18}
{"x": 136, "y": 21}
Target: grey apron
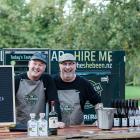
{"x": 30, "y": 98}
{"x": 70, "y": 107}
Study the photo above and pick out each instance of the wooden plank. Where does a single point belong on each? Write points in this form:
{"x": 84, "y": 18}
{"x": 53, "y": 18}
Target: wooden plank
{"x": 77, "y": 133}
{"x": 4, "y": 129}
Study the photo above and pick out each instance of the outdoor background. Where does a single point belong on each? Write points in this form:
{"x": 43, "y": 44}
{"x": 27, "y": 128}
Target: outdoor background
{"x": 76, "y": 24}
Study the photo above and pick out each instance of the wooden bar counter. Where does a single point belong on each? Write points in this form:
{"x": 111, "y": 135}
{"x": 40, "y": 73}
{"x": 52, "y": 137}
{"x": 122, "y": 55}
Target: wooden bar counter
{"x": 82, "y": 132}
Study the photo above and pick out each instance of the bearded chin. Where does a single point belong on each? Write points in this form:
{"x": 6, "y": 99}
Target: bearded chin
{"x": 68, "y": 76}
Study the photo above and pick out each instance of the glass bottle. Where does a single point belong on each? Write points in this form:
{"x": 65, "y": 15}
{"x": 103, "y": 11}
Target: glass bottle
{"x": 116, "y": 121}
{"x": 131, "y": 115}
{"x": 32, "y": 125}
{"x": 123, "y": 114}
{"x": 119, "y": 110}
{"x": 137, "y": 113}
{"x": 42, "y": 125}
{"x": 53, "y": 119}
{"x": 137, "y": 123}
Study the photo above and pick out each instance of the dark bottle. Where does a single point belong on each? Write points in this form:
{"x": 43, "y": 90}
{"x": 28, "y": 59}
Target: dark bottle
{"x": 124, "y": 114}
{"x": 119, "y": 106}
{"x": 137, "y": 119}
{"x": 53, "y": 119}
{"x": 116, "y": 122}
{"x": 126, "y": 110}
{"x": 131, "y": 113}
{"x": 135, "y": 110}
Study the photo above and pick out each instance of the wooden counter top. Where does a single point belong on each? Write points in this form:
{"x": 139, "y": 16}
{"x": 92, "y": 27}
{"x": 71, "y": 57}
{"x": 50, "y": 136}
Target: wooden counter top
{"x": 78, "y": 132}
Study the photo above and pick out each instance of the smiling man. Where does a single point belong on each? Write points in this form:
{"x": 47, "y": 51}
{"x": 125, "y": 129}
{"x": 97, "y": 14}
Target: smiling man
{"x": 73, "y": 91}
{"x": 33, "y": 89}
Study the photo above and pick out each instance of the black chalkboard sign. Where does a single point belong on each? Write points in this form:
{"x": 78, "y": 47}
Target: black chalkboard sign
{"x": 7, "y": 96}
{"x": 19, "y": 58}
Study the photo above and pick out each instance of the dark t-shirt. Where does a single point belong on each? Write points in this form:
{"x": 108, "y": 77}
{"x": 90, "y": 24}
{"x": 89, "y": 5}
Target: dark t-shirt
{"x": 83, "y": 86}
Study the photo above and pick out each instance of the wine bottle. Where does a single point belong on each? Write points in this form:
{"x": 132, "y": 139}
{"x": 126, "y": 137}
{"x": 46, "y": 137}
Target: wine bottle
{"x": 116, "y": 122}
{"x": 137, "y": 121}
{"x": 53, "y": 119}
{"x": 119, "y": 104}
{"x": 130, "y": 113}
{"x": 126, "y": 110}
{"x": 123, "y": 114}
{"x": 136, "y": 113}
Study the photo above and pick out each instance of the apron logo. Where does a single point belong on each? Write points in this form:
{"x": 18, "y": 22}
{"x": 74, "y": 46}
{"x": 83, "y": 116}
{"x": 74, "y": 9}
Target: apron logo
{"x": 67, "y": 109}
{"x": 31, "y": 99}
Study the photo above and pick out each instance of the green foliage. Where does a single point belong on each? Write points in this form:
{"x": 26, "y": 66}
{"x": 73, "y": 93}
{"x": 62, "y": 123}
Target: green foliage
{"x": 132, "y": 92}
{"x": 42, "y": 24}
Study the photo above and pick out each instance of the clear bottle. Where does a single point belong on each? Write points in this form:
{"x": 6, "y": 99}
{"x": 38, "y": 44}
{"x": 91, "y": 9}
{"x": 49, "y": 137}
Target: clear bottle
{"x": 32, "y": 125}
{"x": 42, "y": 125}
{"x": 53, "y": 119}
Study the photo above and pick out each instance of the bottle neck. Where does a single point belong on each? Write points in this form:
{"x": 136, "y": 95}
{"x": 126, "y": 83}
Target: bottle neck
{"x": 32, "y": 118}
{"x": 52, "y": 106}
{"x": 41, "y": 118}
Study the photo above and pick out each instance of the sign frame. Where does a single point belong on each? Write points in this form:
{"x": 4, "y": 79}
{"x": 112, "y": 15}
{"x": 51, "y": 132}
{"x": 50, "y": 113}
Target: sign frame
{"x": 6, "y": 122}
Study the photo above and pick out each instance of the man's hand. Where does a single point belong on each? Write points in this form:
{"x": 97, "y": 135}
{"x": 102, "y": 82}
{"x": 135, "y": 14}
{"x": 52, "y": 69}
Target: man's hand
{"x": 60, "y": 125}
{"x": 99, "y": 106}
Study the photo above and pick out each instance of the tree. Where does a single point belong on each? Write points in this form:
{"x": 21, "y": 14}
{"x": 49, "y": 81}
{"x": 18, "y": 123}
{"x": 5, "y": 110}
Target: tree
{"x": 41, "y": 24}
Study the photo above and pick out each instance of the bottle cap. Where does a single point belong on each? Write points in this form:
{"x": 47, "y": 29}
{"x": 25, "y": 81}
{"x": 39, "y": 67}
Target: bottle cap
{"x": 42, "y": 115}
{"x": 32, "y": 115}
{"x": 52, "y": 102}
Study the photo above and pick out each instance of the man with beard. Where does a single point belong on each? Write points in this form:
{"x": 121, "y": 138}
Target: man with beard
{"x": 73, "y": 91}
{"x": 33, "y": 90}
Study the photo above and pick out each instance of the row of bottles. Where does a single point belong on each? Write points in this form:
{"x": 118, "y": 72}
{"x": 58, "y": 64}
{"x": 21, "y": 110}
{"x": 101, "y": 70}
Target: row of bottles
{"x": 37, "y": 128}
{"x": 41, "y": 126}
{"x": 127, "y": 113}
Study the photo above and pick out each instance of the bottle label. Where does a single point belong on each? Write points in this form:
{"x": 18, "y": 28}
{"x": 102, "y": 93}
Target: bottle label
{"x": 42, "y": 128}
{"x": 131, "y": 121}
{"x": 124, "y": 121}
{"x": 137, "y": 121}
{"x": 53, "y": 122}
{"x": 116, "y": 122}
{"x": 32, "y": 129}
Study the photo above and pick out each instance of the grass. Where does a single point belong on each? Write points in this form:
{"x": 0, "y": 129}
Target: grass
{"x": 132, "y": 92}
